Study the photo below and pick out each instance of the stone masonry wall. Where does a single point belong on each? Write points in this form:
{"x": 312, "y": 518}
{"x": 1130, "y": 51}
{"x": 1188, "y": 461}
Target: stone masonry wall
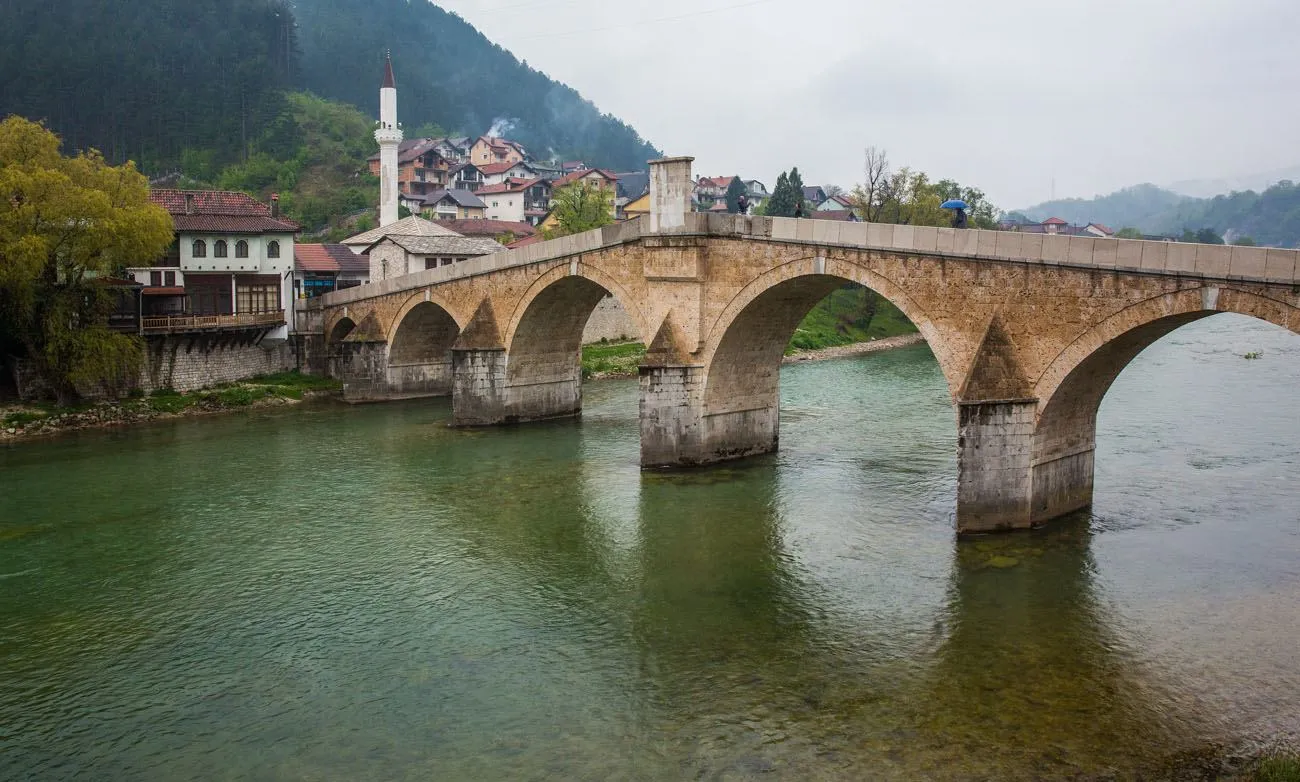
{"x": 185, "y": 364}
{"x": 610, "y": 322}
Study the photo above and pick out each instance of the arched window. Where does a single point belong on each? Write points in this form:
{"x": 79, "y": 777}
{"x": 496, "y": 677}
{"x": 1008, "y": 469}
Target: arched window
{"x": 219, "y": 249}
{"x": 241, "y": 249}
{"x": 200, "y": 249}
{"x": 272, "y": 249}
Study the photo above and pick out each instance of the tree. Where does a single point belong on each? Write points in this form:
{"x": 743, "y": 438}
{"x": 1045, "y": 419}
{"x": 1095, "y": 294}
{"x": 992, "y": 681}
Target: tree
{"x": 65, "y": 223}
{"x": 580, "y": 207}
{"x": 734, "y": 191}
{"x": 870, "y": 196}
{"x": 1128, "y": 233}
{"x": 1203, "y": 236}
{"x": 796, "y": 190}
{"x": 781, "y": 203}
{"x": 1245, "y": 241}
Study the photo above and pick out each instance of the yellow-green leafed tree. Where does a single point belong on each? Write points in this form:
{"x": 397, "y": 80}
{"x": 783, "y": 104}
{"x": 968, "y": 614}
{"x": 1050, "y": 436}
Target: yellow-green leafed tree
{"x": 66, "y": 222}
{"x": 580, "y": 207}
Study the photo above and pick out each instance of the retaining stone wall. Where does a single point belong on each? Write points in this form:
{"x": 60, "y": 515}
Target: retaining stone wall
{"x": 610, "y": 322}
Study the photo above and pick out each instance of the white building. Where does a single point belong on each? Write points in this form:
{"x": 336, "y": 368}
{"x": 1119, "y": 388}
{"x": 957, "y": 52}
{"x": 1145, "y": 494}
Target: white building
{"x": 388, "y": 135}
{"x": 230, "y": 266}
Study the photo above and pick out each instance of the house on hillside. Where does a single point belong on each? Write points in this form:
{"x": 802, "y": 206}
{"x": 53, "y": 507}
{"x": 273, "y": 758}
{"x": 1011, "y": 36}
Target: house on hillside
{"x": 599, "y": 178}
{"x": 836, "y": 203}
{"x": 632, "y": 186}
{"x": 452, "y": 205}
{"x": 465, "y": 176}
{"x": 756, "y": 191}
{"x": 1055, "y": 226}
{"x": 517, "y": 200}
{"x": 496, "y": 173}
{"x": 230, "y": 265}
{"x": 395, "y": 256}
{"x": 814, "y": 194}
{"x": 490, "y": 149}
{"x": 709, "y": 191}
{"x": 324, "y": 268}
{"x": 637, "y": 207}
{"x": 421, "y": 166}
{"x": 841, "y": 215}
{"x": 569, "y": 166}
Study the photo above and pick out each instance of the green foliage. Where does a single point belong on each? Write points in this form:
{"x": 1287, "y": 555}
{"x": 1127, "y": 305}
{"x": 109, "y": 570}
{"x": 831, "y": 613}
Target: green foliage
{"x": 1277, "y": 769}
{"x": 65, "y": 222}
{"x": 152, "y": 83}
{"x": 579, "y": 207}
{"x": 908, "y": 197}
{"x": 1245, "y": 241}
{"x": 782, "y": 202}
{"x": 1203, "y": 236}
{"x": 796, "y": 193}
{"x": 1140, "y": 205}
{"x": 1128, "y": 233}
{"x": 734, "y": 191}
{"x": 619, "y": 358}
{"x": 313, "y": 155}
{"x": 848, "y": 315}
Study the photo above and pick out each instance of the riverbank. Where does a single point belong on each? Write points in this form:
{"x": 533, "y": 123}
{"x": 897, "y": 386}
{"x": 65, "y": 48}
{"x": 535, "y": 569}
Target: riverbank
{"x": 603, "y": 361}
{"x": 25, "y": 421}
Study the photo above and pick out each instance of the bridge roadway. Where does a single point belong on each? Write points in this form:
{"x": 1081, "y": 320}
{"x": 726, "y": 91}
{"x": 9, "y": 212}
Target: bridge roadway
{"x": 1030, "y": 331}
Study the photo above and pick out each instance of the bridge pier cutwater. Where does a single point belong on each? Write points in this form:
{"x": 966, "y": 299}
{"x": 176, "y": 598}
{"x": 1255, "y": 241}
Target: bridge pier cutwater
{"x": 1030, "y": 331}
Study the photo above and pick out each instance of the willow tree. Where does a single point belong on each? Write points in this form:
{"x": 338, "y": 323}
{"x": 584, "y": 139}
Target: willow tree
{"x": 65, "y": 224}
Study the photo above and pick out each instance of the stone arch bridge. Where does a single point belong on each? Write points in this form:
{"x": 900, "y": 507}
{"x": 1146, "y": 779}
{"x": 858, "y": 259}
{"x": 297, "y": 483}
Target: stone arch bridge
{"x": 1030, "y": 331}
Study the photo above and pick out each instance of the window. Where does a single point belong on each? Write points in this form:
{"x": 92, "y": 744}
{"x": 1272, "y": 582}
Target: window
{"x": 199, "y": 249}
{"x": 430, "y": 263}
{"x": 155, "y": 278}
{"x": 170, "y": 278}
{"x": 219, "y": 249}
{"x": 446, "y": 262}
{"x": 495, "y": 204}
{"x": 241, "y": 249}
{"x": 257, "y": 297}
{"x": 273, "y": 250}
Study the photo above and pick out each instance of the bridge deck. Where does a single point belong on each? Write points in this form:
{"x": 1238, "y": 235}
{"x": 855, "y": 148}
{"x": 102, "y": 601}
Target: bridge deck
{"x": 1220, "y": 262}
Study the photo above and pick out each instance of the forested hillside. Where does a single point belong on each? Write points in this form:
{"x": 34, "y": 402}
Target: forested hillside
{"x": 449, "y": 74}
{"x": 147, "y": 79}
{"x": 151, "y": 79}
{"x": 1271, "y": 217}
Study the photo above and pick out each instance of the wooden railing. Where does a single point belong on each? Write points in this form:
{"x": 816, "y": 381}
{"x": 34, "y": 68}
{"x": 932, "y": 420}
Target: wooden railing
{"x": 170, "y": 323}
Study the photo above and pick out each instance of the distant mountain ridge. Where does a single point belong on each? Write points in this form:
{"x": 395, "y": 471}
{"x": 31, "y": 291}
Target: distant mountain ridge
{"x": 1270, "y": 217}
{"x": 1209, "y": 188}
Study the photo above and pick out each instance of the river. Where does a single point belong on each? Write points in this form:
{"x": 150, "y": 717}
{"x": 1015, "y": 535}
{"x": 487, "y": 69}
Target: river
{"x": 336, "y": 593}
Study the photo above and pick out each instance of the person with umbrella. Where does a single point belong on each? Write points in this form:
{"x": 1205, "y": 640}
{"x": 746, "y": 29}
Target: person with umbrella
{"x": 960, "y": 206}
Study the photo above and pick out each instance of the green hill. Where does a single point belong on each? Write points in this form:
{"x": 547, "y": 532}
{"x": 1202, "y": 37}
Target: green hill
{"x": 150, "y": 82}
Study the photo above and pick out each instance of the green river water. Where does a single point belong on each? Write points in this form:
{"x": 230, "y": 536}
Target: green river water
{"x": 342, "y": 593}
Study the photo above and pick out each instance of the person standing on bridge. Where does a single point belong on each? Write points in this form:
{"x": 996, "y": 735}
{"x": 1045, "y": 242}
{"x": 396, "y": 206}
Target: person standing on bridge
{"x": 959, "y": 206}
{"x": 742, "y": 205}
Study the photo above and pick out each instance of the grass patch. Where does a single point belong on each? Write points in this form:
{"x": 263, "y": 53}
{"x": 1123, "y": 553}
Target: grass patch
{"x": 168, "y": 401}
{"x": 617, "y": 358}
{"x": 849, "y": 314}
{"x": 22, "y": 418}
{"x": 1277, "y": 769}
{"x": 294, "y": 380}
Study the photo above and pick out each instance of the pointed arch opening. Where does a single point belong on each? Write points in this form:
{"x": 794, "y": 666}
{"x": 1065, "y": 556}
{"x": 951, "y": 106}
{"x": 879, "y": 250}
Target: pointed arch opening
{"x": 419, "y": 355}
{"x": 1072, "y": 389}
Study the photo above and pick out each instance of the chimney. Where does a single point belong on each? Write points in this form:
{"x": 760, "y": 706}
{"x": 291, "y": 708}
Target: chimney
{"x": 189, "y": 203}
{"x": 275, "y": 204}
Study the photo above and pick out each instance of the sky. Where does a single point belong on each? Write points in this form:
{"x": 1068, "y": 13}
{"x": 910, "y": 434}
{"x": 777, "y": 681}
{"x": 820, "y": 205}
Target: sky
{"x": 1024, "y": 99}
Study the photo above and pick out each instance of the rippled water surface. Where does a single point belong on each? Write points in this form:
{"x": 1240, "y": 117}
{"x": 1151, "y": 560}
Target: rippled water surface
{"x": 347, "y": 593}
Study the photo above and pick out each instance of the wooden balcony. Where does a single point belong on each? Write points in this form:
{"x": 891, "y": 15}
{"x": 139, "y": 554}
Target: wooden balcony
{"x": 172, "y": 324}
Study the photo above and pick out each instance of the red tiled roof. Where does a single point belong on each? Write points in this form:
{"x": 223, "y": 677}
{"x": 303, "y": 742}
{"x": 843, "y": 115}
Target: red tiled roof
{"x": 1054, "y": 221}
{"x": 576, "y": 175}
{"x": 524, "y": 242}
{"x": 159, "y": 290}
{"x": 511, "y": 185}
{"x": 1104, "y": 228}
{"x": 499, "y": 168}
{"x": 488, "y": 227}
{"x": 328, "y": 258}
{"x": 219, "y": 211}
{"x": 717, "y": 181}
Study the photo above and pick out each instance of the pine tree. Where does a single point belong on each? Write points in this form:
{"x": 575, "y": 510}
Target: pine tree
{"x": 781, "y": 203}
{"x": 734, "y": 191}
{"x": 796, "y": 193}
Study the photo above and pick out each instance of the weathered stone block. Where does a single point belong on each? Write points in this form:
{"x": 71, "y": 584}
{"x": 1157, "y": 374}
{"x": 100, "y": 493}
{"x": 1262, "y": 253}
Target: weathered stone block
{"x": 1128, "y": 254}
{"x": 1009, "y": 245}
{"x": 1280, "y": 265}
{"x": 1105, "y": 252}
{"x": 1181, "y": 258}
{"x": 1248, "y": 262}
{"x": 1056, "y": 249}
{"x": 880, "y": 235}
{"x": 1154, "y": 256}
{"x": 986, "y": 243}
{"x": 785, "y": 229}
{"x": 1080, "y": 251}
{"x": 1212, "y": 260}
{"x": 904, "y": 237}
{"x": 925, "y": 239}
{"x": 853, "y": 234}
{"x": 946, "y": 240}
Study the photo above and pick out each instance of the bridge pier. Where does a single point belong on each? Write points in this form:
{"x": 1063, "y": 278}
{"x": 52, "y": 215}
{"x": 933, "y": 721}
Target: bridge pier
{"x": 677, "y": 432}
{"x": 995, "y": 465}
{"x": 483, "y": 395}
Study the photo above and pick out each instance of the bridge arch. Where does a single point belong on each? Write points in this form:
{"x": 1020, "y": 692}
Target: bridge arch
{"x": 747, "y": 340}
{"x": 527, "y": 311}
{"x": 1070, "y": 391}
{"x": 419, "y": 350}
{"x": 339, "y": 331}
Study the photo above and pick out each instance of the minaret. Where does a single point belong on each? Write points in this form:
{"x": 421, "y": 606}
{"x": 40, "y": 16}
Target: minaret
{"x": 389, "y": 136}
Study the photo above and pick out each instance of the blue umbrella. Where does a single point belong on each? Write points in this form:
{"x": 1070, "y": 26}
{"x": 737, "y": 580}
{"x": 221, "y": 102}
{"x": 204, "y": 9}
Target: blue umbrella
{"x": 955, "y": 203}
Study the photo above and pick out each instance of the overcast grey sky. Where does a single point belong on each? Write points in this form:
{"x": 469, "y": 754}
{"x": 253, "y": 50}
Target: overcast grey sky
{"x": 1008, "y": 95}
